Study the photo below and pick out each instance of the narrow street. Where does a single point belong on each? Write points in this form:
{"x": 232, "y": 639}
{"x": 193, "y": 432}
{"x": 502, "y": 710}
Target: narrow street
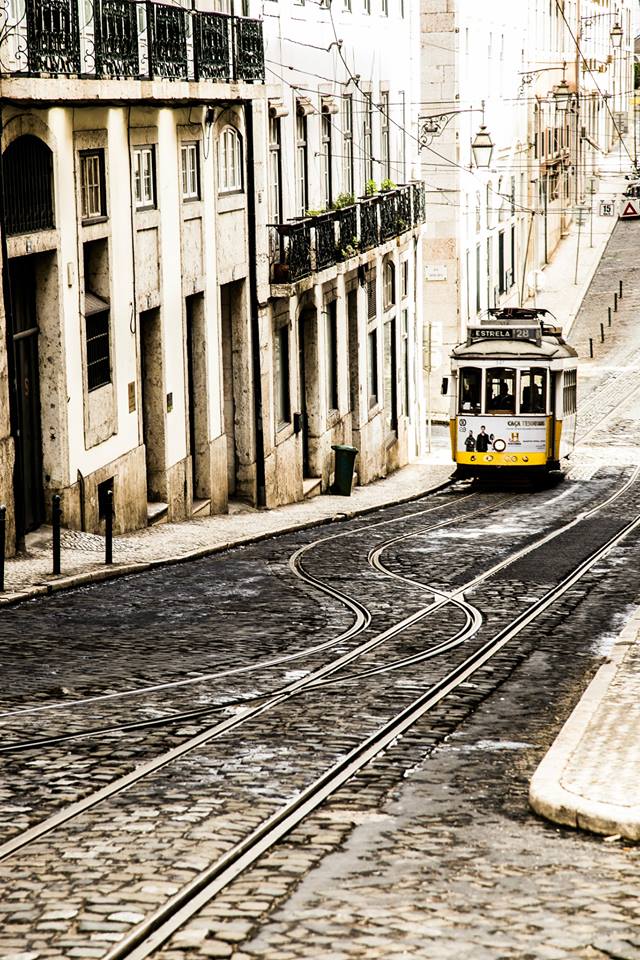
{"x": 152, "y": 724}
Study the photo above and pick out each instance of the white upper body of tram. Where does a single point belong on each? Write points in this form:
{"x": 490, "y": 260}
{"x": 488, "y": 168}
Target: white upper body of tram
{"x": 513, "y": 397}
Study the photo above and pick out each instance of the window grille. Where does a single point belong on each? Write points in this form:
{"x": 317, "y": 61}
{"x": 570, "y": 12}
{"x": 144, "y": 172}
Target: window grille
{"x": 97, "y": 341}
{"x": 28, "y": 186}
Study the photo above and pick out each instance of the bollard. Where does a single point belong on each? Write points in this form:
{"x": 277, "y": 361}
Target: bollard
{"x": 620, "y": 291}
{"x": 3, "y": 527}
{"x": 615, "y": 303}
{"x": 108, "y": 529}
{"x": 608, "y": 316}
{"x": 55, "y": 523}
{"x": 602, "y": 333}
{"x": 591, "y": 347}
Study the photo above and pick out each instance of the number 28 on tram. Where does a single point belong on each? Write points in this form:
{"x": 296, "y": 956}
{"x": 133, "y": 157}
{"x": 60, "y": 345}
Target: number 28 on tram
{"x": 514, "y": 394}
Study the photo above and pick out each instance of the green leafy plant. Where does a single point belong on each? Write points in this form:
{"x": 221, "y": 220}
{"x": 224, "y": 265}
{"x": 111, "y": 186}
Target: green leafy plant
{"x": 387, "y": 185}
{"x": 343, "y": 200}
{"x": 314, "y": 213}
{"x": 370, "y": 188}
{"x": 351, "y": 249}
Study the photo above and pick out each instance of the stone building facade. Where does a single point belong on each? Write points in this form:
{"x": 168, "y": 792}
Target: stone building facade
{"x": 166, "y": 332}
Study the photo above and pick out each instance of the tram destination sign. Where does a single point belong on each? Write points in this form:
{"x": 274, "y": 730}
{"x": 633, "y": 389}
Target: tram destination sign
{"x": 504, "y": 333}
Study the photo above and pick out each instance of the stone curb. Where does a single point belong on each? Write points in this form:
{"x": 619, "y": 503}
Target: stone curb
{"x": 546, "y": 794}
{"x": 123, "y": 570}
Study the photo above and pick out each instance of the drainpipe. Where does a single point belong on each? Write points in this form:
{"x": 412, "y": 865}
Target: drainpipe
{"x": 18, "y": 504}
{"x": 253, "y": 309}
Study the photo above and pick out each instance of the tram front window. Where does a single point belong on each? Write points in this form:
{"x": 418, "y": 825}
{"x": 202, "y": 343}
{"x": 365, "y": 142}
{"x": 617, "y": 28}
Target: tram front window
{"x": 501, "y": 390}
{"x": 470, "y": 390}
{"x": 533, "y": 391}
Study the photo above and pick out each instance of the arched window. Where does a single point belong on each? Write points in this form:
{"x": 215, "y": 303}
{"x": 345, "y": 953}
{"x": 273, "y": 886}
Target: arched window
{"x": 28, "y": 185}
{"x": 230, "y": 161}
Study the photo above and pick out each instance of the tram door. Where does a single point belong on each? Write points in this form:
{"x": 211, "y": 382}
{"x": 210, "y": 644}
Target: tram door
{"x": 27, "y": 392}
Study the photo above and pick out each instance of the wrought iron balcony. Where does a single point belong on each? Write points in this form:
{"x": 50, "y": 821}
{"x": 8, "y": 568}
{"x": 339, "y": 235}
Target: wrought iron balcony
{"x": 121, "y": 39}
{"x": 369, "y": 231}
{"x": 300, "y": 248}
{"x": 292, "y": 243}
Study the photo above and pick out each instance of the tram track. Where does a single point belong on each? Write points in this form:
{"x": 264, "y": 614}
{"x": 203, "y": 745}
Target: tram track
{"x": 326, "y": 673}
{"x": 155, "y": 930}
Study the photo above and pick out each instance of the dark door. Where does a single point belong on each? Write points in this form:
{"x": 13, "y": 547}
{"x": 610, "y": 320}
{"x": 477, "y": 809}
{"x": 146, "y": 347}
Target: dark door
{"x": 29, "y": 492}
{"x": 191, "y": 396}
{"x": 303, "y": 396}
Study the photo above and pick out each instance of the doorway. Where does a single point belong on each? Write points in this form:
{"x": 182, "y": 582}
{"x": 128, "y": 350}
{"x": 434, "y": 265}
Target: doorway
{"x": 304, "y": 321}
{"x": 153, "y": 405}
{"x": 29, "y": 490}
{"x": 197, "y": 398}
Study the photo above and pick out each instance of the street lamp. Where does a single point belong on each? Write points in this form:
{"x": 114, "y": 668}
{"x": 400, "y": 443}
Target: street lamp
{"x": 482, "y": 148}
{"x": 616, "y": 36}
{"x": 562, "y": 95}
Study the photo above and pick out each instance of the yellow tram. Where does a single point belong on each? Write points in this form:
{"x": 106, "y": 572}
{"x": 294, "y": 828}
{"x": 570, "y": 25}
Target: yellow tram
{"x": 513, "y": 405}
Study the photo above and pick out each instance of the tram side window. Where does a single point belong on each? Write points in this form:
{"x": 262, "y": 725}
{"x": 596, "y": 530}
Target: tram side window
{"x": 501, "y": 390}
{"x": 569, "y": 402}
{"x": 470, "y": 390}
{"x": 532, "y": 391}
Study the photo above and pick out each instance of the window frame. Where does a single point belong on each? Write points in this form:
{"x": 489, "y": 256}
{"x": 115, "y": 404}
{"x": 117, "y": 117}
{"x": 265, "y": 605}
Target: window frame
{"x": 302, "y": 163}
{"x": 275, "y": 170}
{"x": 105, "y": 335}
{"x": 230, "y": 160}
{"x": 190, "y": 147}
{"x": 143, "y": 200}
{"x": 94, "y": 153}
{"x": 348, "y": 171}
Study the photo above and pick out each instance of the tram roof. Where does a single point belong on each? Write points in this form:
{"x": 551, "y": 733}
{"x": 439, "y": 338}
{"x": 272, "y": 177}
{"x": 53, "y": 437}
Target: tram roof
{"x": 515, "y": 333}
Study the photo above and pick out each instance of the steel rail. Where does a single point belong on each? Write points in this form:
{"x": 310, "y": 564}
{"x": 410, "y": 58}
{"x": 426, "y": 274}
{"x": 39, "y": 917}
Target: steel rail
{"x": 234, "y": 671}
{"x": 159, "y": 926}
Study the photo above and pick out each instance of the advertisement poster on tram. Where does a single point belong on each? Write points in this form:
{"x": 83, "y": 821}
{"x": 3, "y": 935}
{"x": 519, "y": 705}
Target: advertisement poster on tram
{"x": 502, "y": 434}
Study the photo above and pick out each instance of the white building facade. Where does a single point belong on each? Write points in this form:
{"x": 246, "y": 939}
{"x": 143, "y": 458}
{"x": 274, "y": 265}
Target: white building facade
{"x": 542, "y": 83}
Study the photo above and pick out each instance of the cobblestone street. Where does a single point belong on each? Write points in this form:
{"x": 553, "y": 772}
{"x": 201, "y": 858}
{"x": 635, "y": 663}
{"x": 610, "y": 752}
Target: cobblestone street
{"x": 152, "y": 724}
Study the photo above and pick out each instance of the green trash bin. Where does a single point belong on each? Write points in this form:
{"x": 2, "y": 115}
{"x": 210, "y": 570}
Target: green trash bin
{"x": 343, "y": 477}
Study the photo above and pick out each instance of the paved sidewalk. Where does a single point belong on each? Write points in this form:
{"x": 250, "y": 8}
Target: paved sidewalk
{"x": 82, "y": 554}
{"x": 591, "y": 776}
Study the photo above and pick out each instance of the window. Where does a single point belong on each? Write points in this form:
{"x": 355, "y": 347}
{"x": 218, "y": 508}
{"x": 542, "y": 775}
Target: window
{"x": 389, "y": 288}
{"x": 405, "y": 278}
{"x": 275, "y": 167}
{"x": 190, "y": 171}
{"x": 230, "y": 161}
{"x": 569, "y": 391}
{"x": 326, "y": 159}
{"x": 501, "y": 390}
{"x": 390, "y": 376}
{"x": 144, "y": 177}
{"x": 367, "y": 139}
{"x": 347, "y": 145}
{"x": 533, "y": 391}
{"x": 470, "y": 390}
{"x": 331, "y": 344}
{"x": 97, "y": 340}
{"x": 302, "y": 180}
{"x": 281, "y": 375}
{"x": 92, "y": 185}
{"x": 403, "y": 133}
{"x": 371, "y": 295}
{"x": 384, "y": 134}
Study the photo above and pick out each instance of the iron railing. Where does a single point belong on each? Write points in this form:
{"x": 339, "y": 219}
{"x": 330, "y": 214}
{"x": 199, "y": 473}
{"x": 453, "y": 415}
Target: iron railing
{"x": 299, "y": 248}
{"x": 127, "y": 39}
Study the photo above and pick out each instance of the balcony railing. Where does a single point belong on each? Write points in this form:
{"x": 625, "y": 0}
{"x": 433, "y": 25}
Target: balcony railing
{"x": 300, "y": 248}
{"x": 127, "y": 39}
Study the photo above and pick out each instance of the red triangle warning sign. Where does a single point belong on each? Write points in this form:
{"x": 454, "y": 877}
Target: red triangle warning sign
{"x": 630, "y": 210}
